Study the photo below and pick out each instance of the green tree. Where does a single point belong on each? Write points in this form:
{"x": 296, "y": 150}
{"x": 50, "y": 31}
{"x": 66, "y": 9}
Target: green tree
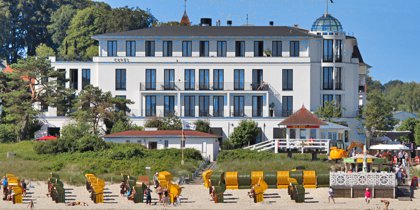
{"x": 86, "y": 23}
{"x": 125, "y": 19}
{"x": 409, "y": 125}
{"x": 60, "y": 22}
{"x": 23, "y": 89}
{"x": 244, "y": 134}
{"x": 378, "y": 114}
{"x": 202, "y": 125}
{"x": 417, "y": 134}
{"x": 94, "y": 107}
{"x": 121, "y": 126}
{"x": 171, "y": 122}
{"x": 329, "y": 111}
{"x": 43, "y": 51}
{"x": 170, "y": 23}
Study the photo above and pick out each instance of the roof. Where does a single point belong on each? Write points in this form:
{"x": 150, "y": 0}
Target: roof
{"x": 302, "y": 117}
{"x": 212, "y": 31}
{"x": 185, "y": 20}
{"x": 401, "y": 115}
{"x": 357, "y": 54}
{"x": 161, "y": 133}
{"x": 334, "y": 126}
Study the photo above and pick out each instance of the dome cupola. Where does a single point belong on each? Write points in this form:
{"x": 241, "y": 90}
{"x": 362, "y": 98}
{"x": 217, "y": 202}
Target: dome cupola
{"x": 327, "y": 23}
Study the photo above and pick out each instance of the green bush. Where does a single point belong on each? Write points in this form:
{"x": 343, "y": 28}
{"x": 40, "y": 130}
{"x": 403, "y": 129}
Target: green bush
{"x": 243, "y": 154}
{"x": 7, "y": 133}
{"x": 91, "y": 143}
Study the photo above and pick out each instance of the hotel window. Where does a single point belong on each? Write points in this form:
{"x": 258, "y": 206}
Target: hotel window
{"x": 85, "y": 78}
{"x": 287, "y": 79}
{"x": 258, "y": 48}
{"x": 338, "y": 100}
{"x": 287, "y": 106}
{"x": 169, "y": 103}
{"x": 120, "y": 79}
{"x": 218, "y": 106}
{"x": 189, "y": 77}
{"x": 240, "y": 48}
{"x": 239, "y": 79}
{"x": 204, "y": 83}
{"x": 277, "y": 49}
{"x": 150, "y": 48}
{"x": 294, "y": 48}
{"x": 204, "y": 48}
{"x": 238, "y": 106}
{"x": 221, "y": 49}
{"x": 130, "y": 48}
{"x": 189, "y": 106}
{"x": 204, "y": 106}
{"x": 257, "y": 106}
{"x": 328, "y": 50}
{"x": 337, "y": 79}
{"x": 44, "y": 107}
{"x": 218, "y": 79}
{"x": 257, "y": 79}
{"x": 74, "y": 79}
{"x": 166, "y": 144}
{"x": 327, "y": 78}
{"x": 186, "y": 48}
{"x": 150, "y": 106}
{"x": 327, "y": 97}
{"x": 338, "y": 50}
{"x": 150, "y": 79}
{"x": 169, "y": 79}
{"x": 167, "y": 48}
{"x": 112, "y": 48}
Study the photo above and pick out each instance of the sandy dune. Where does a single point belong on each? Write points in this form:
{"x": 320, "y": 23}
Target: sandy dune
{"x": 196, "y": 197}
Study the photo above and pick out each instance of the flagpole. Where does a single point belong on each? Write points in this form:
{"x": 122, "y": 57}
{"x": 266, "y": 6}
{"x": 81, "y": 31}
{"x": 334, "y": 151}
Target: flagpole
{"x": 182, "y": 145}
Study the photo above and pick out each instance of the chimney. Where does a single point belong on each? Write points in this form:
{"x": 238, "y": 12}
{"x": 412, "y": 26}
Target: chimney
{"x": 229, "y": 23}
{"x": 205, "y": 22}
{"x": 218, "y": 23}
{"x": 271, "y": 23}
{"x": 296, "y": 25}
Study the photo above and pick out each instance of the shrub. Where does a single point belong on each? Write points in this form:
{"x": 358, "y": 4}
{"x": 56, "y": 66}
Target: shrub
{"x": 202, "y": 125}
{"x": 91, "y": 143}
{"x": 153, "y": 123}
{"x": 244, "y": 134}
{"x": 7, "y": 133}
{"x": 121, "y": 126}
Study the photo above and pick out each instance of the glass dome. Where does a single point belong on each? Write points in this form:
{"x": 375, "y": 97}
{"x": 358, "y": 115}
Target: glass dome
{"x": 327, "y": 23}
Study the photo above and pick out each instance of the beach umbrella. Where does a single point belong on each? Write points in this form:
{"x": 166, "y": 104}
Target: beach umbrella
{"x": 47, "y": 138}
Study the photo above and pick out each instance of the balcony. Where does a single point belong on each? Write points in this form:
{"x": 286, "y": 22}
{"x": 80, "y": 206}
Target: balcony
{"x": 197, "y": 86}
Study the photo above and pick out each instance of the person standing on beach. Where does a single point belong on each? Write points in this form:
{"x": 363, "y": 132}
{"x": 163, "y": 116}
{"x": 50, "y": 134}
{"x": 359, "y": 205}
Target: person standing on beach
{"x": 148, "y": 193}
{"x": 331, "y": 195}
{"x": 368, "y": 196}
{"x": 156, "y": 180}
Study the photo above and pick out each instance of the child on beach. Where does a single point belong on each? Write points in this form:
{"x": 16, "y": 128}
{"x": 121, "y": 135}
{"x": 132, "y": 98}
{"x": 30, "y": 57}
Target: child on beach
{"x": 331, "y": 195}
{"x": 368, "y": 196}
{"x": 148, "y": 193}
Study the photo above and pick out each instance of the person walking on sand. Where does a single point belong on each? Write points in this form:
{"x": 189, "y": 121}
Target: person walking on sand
{"x": 368, "y": 195}
{"x": 31, "y": 204}
{"x": 386, "y": 202}
{"x": 331, "y": 195}
{"x": 156, "y": 180}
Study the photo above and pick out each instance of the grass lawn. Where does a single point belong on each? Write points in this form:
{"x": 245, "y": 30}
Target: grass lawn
{"x": 246, "y": 161}
{"x": 71, "y": 167}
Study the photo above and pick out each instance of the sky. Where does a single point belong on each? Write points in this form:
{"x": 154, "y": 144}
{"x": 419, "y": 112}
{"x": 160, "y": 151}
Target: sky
{"x": 387, "y": 31}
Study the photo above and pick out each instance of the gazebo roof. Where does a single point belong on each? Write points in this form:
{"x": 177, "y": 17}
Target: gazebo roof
{"x": 304, "y": 118}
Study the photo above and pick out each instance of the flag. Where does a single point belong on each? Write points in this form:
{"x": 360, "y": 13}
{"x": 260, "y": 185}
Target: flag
{"x": 187, "y": 126}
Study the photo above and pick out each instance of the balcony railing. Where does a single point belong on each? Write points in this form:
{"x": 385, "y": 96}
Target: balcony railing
{"x": 197, "y": 86}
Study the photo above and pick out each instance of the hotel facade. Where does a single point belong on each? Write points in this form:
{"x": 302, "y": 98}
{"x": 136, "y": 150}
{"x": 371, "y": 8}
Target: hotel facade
{"x": 224, "y": 74}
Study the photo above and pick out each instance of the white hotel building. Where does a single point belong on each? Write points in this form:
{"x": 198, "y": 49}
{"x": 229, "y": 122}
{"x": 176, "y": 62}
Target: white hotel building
{"x": 224, "y": 74}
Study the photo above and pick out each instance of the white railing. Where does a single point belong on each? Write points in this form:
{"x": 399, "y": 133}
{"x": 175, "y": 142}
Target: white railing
{"x": 299, "y": 144}
{"x": 383, "y": 179}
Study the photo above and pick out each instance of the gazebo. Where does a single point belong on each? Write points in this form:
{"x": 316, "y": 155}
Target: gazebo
{"x": 303, "y": 127}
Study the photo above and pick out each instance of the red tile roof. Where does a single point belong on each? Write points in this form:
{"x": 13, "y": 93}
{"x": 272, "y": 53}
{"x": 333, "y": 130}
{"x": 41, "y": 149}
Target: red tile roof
{"x": 303, "y": 117}
{"x": 162, "y": 133}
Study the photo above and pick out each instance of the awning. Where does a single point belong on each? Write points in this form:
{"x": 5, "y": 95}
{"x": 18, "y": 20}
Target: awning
{"x": 389, "y": 147}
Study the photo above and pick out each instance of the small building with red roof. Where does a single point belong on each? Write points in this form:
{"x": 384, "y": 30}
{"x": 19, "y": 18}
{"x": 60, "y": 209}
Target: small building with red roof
{"x": 206, "y": 143}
